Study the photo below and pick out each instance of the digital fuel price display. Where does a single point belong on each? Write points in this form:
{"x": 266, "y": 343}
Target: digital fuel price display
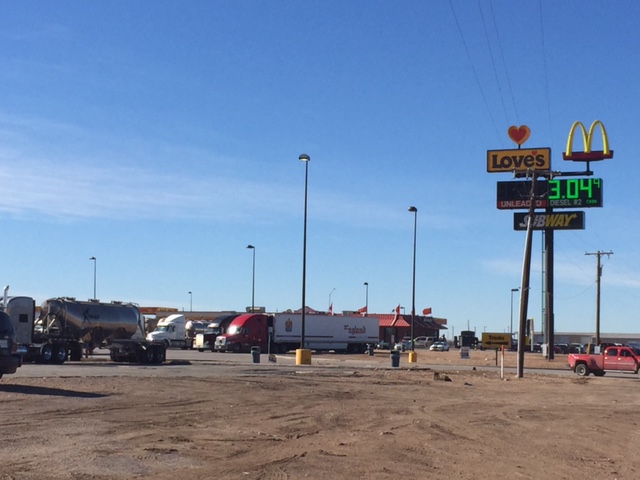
{"x": 556, "y": 193}
{"x": 575, "y": 192}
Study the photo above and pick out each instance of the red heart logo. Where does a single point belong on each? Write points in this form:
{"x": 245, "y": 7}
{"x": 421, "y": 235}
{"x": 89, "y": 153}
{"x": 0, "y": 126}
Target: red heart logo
{"x": 519, "y": 134}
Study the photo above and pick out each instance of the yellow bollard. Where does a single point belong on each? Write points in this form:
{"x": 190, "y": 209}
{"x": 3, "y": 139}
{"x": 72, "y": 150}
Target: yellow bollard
{"x": 303, "y": 356}
{"x": 413, "y": 357}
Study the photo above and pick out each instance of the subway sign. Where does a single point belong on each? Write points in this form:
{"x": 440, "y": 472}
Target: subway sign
{"x": 519, "y": 160}
{"x": 555, "y": 221}
{"x": 556, "y": 193}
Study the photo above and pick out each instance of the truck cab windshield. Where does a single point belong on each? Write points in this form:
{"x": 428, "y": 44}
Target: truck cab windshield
{"x": 233, "y": 329}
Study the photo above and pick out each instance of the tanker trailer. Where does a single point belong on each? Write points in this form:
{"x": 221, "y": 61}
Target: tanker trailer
{"x": 66, "y": 325}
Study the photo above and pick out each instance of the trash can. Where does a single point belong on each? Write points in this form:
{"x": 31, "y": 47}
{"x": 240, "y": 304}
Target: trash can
{"x": 255, "y": 354}
{"x": 395, "y": 358}
{"x": 370, "y": 349}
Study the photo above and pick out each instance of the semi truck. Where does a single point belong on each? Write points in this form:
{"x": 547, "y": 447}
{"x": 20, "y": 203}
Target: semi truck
{"x": 10, "y": 355}
{"x": 66, "y": 326}
{"x": 206, "y": 340}
{"x": 281, "y": 332}
{"x": 176, "y": 331}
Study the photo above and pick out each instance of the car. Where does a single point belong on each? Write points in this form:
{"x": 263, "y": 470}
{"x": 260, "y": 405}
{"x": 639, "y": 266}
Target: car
{"x": 404, "y": 344}
{"x": 421, "y": 342}
{"x": 425, "y": 342}
{"x": 577, "y": 348}
{"x": 439, "y": 347}
{"x": 383, "y": 345}
{"x": 10, "y": 358}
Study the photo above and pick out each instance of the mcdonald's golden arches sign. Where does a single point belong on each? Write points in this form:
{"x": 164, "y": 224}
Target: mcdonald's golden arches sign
{"x": 588, "y": 155}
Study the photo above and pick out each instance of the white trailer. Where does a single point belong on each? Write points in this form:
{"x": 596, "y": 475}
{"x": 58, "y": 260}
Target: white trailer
{"x": 349, "y": 334}
{"x": 326, "y": 332}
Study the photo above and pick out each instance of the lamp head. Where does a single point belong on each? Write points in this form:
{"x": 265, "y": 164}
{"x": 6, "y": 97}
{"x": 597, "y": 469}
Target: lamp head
{"x": 413, "y": 209}
{"x": 304, "y": 157}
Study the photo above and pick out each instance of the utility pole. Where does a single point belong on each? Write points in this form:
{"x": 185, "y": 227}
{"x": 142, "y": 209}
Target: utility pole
{"x": 526, "y": 275}
{"x": 599, "y": 255}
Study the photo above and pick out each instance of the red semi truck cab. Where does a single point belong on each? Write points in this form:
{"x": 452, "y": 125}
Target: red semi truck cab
{"x": 244, "y": 332}
{"x": 613, "y": 359}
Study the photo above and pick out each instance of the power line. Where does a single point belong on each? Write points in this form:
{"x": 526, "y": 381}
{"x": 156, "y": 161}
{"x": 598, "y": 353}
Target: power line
{"x": 475, "y": 72}
{"x": 546, "y": 74}
{"x": 504, "y": 64}
{"x": 493, "y": 62}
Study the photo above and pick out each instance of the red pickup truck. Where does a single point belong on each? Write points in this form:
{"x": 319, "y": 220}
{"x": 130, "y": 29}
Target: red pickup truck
{"x": 613, "y": 359}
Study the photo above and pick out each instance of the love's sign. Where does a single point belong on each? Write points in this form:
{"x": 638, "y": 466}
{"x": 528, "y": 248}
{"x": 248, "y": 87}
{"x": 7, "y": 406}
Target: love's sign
{"x": 519, "y": 134}
{"x": 520, "y": 160}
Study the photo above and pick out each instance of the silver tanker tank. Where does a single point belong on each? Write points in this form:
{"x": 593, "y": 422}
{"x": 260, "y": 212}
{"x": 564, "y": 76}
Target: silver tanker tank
{"x": 89, "y": 322}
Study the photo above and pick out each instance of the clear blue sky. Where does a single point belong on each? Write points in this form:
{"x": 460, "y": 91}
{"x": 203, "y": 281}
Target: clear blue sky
{"x": 162, "y": 137}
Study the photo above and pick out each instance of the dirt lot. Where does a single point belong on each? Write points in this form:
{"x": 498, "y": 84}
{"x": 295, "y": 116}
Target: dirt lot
{"x": 331, "y": 420}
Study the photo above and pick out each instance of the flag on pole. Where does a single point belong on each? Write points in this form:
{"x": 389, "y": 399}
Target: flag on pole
{"x": 426, "y": 311}
{"x": 331, "y": 309}
{"x": 363, "y": 310}
{"x": 397, "y": 315}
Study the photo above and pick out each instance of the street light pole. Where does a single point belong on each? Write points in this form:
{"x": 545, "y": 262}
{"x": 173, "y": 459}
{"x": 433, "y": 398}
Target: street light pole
{"x": 413, "y": 286}
{"x": 94, "y": 276}
{"x": 511, "y": 327}
{"x": 366, "y": 299}
{"x": 253, "y": 279}
{"x": 330, "y": 293}
{"x": 190, "y": 302}
{"x": 304, "y": 158}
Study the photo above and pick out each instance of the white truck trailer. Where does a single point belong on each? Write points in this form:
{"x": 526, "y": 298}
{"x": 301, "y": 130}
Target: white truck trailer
{"x": 282, "y": 332}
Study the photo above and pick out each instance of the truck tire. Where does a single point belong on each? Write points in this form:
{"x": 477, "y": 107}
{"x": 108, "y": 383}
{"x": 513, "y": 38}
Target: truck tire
{"x": 149, "y": 354}
{"x": 46, "y": 353}
{"x": 582, "y": 370}
{"x": 75, "y": 352}
{"x": 59, "y": 355}
{"x": 158, "y": 354}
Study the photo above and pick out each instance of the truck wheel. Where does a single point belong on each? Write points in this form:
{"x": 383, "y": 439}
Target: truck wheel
{"x": 76, "y": 352}
{"x": 158, "y": 354}
{"x": 149, "y": 354}
{"x": 59, "y": 354}
{"x": 582, "y": 370}
{"x": 46, "y": 353}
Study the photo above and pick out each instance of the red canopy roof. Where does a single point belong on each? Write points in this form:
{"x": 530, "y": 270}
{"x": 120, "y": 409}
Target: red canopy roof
{"x": 391, "y": 320}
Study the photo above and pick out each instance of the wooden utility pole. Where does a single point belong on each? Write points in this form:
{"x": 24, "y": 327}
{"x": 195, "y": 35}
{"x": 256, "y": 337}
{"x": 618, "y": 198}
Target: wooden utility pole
{"x": 599, "y": 255}
{"x": 526, "y": 274}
